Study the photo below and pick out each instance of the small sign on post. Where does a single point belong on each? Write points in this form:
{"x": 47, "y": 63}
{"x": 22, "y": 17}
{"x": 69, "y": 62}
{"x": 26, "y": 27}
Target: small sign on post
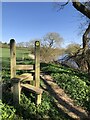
{"x": 37, "y": 63}
{"x": 37, "y": 70}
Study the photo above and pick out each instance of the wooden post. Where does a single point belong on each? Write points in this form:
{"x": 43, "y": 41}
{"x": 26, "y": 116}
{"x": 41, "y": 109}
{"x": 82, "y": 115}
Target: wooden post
{"x": 37, "y": 63}
{"x": 38, "y": 99}
{"x": 16, "y": 91}
{"x": 15, "y": 81}
{"x": 13, "y": 57}
{"x": 37, "y": 70}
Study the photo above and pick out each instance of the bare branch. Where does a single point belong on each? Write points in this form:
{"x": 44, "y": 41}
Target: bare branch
{"x": 61, "y": 6}
{"x": 81, "y": 8}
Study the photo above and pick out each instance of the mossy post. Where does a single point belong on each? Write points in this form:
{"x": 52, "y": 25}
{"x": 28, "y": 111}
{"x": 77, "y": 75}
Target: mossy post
{"x": 15, "y": 82}
{"x": 37, "y": 69}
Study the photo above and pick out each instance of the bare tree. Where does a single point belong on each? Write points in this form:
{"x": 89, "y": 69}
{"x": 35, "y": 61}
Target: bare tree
{"x": 52, "y": 40}
{"x": 50, "y": 46}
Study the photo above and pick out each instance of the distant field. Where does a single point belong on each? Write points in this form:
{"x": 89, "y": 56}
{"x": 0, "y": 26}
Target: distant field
{"x": 19, "y": 53}
{"x": 5, "y": 52}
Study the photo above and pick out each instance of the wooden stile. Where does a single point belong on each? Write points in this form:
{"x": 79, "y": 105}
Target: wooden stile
{"x": 20, "y": 81}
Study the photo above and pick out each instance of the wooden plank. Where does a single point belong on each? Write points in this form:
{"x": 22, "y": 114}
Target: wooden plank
{"x": 28, "y": 79}
{"x": 37, "y": 63}
{"x": 32, "y": 88}
{"x": 24, "y": 76}
{"x": 13, "y": 57}
{"x": 24, "y": 67}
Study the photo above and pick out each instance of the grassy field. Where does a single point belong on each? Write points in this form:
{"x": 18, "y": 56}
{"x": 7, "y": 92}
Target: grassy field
{"x": 19, "y": 53}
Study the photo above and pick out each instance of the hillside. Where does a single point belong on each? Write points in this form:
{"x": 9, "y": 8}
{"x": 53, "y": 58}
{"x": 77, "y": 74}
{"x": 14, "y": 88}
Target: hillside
{"x": 75, "y": 84}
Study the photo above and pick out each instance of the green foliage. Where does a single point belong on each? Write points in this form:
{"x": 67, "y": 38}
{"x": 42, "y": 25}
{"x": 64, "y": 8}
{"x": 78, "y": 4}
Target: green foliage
{"x": 29, "y": 110}
{"x": 74, "y": 86}
{"x": 7, "y": 112}
{"x": 75, "y": 83}
{"x": 52, "y": 68}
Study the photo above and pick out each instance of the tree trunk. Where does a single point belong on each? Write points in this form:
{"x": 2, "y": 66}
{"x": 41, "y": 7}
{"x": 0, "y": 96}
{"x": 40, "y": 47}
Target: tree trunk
{"x": 81, "y": 8}
{"x": 85, "y": 37}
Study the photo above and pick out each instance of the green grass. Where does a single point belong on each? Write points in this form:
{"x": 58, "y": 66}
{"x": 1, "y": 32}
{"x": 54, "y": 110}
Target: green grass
{"x": 19, "y": 53}
{"x": 5, "y": 53}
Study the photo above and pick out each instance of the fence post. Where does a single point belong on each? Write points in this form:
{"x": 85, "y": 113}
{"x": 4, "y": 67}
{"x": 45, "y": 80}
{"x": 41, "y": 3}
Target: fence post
{"x": 15, "y": 82}
{"x": 13, "y": 57}
{"x": 16, "y": 91}
{"x": 37, "y": 63}
{"x": 38, "y": 99}
{"x": 37, "y": 70}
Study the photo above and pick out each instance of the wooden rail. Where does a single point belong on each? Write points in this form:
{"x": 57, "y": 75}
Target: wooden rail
{"x": 32, "y": 88}
{"x": 24, "y": 76}
{"x": 24, "y": 67}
